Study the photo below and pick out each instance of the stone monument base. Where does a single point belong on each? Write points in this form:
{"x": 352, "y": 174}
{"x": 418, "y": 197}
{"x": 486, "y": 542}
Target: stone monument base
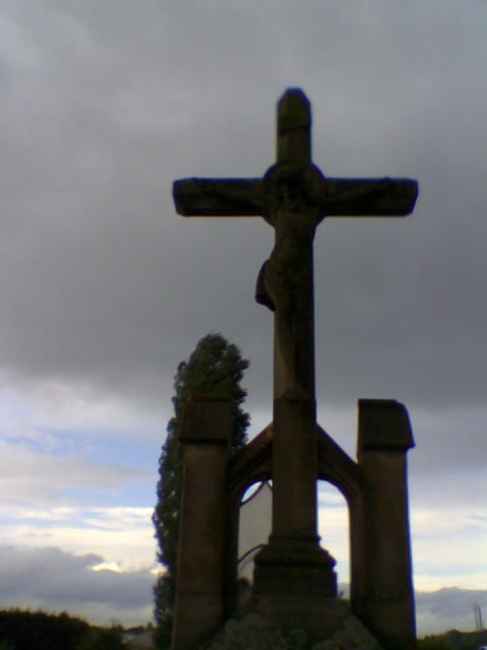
{"x": 257, "y": 632}
{"x": 295, "y": 566}
{"x": 295, "y": 587}
{"x": 319, "y": 616}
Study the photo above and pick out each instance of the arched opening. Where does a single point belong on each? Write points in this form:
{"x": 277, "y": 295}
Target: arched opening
{"x": 333, "y": 528}
{"x": 255, "y": 517}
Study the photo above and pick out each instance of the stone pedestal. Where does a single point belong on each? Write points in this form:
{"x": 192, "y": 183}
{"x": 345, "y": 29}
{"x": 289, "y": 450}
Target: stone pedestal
{"x": 320, "y": 616}
{"x": 296, "y": 567}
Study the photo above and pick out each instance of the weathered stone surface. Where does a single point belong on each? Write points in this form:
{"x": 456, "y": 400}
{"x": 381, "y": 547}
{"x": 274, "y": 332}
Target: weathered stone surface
{"x": 206, "y": 419}
{"x": 252, "y": 632}
{"x": 352, "y": 636}
{"x": 199, "y": 609}
{"x": 383, "y": 424}
{"x": 385, "y": 600}
{"x": 255, "y": 632}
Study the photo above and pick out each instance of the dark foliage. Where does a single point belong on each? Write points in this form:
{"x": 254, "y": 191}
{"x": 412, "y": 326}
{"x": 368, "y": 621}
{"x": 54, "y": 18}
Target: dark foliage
{"x": 21, "y": 630}
{"x": 453, "y": 640}
{"x": 214, "y": 368}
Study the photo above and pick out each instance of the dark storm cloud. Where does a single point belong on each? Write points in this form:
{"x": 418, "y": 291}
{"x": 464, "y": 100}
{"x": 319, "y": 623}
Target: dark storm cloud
{"x": 106, "y": 104}
{"x": 100, "y": 274}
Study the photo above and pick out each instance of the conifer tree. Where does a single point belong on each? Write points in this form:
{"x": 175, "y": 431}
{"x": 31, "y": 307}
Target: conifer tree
{"x": 215, "y": 367}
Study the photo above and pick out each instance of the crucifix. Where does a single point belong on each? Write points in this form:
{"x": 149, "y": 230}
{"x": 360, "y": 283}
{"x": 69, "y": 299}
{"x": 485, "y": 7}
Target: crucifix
{"x": 293, "y": 197}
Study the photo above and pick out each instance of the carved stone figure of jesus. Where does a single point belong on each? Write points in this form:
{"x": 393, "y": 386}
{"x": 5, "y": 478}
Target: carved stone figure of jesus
{"x": 285, "y": 281}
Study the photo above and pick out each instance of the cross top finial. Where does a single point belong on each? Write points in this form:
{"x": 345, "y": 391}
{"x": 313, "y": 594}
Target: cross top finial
{"x": 294, "y": 127}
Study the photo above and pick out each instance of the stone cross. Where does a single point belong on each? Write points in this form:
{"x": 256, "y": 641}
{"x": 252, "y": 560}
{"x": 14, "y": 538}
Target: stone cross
{"x": 293, "y": 197}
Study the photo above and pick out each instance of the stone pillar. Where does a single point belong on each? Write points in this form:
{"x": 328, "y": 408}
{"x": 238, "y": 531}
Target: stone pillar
{"x": 293, "y": 562}
{"x": 294, "y": 580}
{"x": 386, "y": 602}
{"x": 199, "y": 606}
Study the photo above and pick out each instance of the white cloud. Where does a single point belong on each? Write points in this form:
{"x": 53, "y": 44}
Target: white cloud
{"x": 448, "y": 544}
{"x": 40, "y": 409}
{"x": 28, "y": 476}
{"x": 449, "y": 548}
{"x": 123, "y": 536}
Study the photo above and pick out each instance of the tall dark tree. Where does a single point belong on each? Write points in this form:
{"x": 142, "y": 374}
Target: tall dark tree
{"x": 215, "y": 367}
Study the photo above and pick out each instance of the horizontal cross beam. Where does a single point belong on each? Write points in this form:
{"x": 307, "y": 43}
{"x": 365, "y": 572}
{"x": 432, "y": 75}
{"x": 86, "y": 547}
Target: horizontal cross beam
{"x": 339, "y": 197}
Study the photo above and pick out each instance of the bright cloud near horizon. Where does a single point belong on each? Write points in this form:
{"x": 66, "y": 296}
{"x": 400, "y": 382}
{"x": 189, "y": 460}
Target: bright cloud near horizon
{"x": 104, "y": 289}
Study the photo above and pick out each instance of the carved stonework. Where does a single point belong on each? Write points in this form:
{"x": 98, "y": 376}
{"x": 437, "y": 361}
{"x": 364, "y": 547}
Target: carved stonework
{"x": 294, "y": 579}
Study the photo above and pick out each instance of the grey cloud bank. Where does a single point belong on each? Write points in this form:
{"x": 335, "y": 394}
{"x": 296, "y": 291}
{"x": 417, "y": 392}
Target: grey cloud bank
{"x": 106, "y": 107}
{"x": 54, "y": 580}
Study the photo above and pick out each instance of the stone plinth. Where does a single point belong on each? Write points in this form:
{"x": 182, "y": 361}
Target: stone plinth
{"x": 257, "y": 632}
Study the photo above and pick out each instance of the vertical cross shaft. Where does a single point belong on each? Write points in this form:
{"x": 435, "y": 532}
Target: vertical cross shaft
{"x": 293, "y": 560}
{"x": 293, "y": 128}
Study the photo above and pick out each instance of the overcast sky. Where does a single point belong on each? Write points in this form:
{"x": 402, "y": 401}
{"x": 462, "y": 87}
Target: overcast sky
{"x": 104, "y": 289}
